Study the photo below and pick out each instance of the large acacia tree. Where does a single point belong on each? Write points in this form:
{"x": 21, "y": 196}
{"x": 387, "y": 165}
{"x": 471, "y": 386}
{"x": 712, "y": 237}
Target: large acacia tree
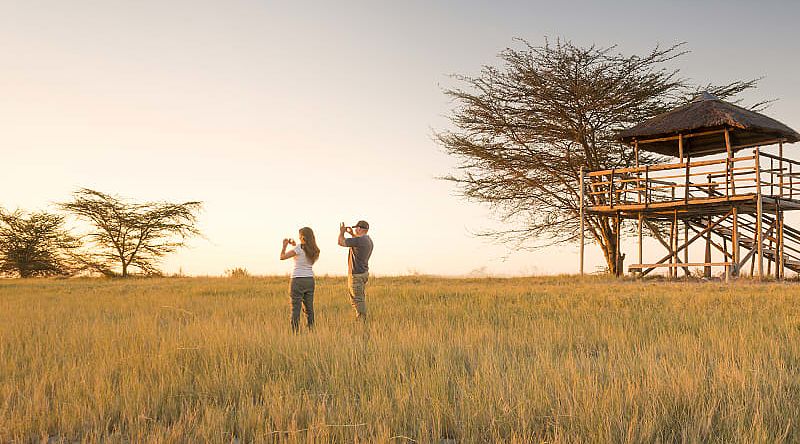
{"x": 522, "y": 132}
{"x": 130, "y": 235}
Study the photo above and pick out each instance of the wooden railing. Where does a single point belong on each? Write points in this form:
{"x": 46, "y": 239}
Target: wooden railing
{"x": 721, "y": 178}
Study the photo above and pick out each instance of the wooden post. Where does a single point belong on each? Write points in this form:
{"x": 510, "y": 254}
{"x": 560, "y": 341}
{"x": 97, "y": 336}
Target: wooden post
{"x": 780, "y": 167}
{"x": 674, "y": 241}
{"x": 707, "y": 268}
{"x": 581, "y": 216}
{"x": 638, "y": 173}
{"x": 680, "y": 146}
{"x": 611, "y": 188}
{"x": 771, "y": 176}
{"x": 686, "y": 250}
{"x": 774, "y": 256}
{"x": 616, "y": 247}
{"x": 686, "y": 185}
{"x": 782, "y": 267}
{"x": 641, "y": 222}
{"x": 728, "y": 143}
{"x": 674, "y": 245}
{"x": 735, "y": 241}
{"x": 777, "y": 255}
{"x": 759, "y": 215}
{"x": 728, "y": 171}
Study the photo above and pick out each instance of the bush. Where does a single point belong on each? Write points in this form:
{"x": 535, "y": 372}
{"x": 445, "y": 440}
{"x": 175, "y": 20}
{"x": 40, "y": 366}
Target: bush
{"x": 237, "y": 272}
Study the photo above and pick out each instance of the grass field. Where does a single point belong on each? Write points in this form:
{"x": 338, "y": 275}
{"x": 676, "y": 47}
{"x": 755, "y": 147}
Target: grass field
{"x": 556, "y": 359}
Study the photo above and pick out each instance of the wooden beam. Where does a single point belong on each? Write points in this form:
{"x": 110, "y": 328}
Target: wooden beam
{"x": 780, "y": 166}
{"x": 721, "y": 248}
{"x": 698, "y": 264}
{"x": 728, "y": 143}
{"x": 707, "y": 270}
{"x": 686, "y": 136}
{"x": 666, "y": 166}
{"x": 781, "y": 251}
{"x": 752, "y": 254}
{"x": 686, "y": 250}
{"x": 759, "y": 214}
{"x": 675, "y": 240}
{"x": 735, "y": 240}
{"x": 619, "y": 243}
{"x": 641, "y": 221}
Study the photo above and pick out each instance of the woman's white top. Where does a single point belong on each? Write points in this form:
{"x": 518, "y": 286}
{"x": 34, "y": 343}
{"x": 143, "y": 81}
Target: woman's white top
{"x": 302, "y": 266}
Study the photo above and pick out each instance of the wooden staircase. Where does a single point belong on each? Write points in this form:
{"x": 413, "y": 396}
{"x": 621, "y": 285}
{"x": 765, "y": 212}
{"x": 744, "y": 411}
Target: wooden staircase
{"x": 747, "y": 236}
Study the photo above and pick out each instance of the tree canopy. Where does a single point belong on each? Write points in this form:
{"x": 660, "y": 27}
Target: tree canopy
{"x": 37, "y": 245}
{"x": 129, "y": 235}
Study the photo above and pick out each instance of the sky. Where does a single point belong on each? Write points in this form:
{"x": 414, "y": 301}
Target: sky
{"x": 279, "y": 115}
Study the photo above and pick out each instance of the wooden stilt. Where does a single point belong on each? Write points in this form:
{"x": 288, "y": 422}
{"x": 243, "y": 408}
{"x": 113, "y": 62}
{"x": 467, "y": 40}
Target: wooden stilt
{"x": 735, "y": 241}
{"x": 641, "y": 222}
{"x": 782, "y": 268}
{"x": 617, "y": 254}
{"x": 778, "y": 253}
{"x": 686, "y": 250}
{"x": 671, "y": 272}
{"x": 780, "y": 167}
{"x": 759, "y": 215}
{"x": 707, "y": 269}
{"x": 674, "y": 245}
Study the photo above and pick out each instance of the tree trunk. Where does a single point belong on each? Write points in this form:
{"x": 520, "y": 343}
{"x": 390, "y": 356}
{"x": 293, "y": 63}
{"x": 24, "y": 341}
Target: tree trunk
{"x": 608, "y": 244}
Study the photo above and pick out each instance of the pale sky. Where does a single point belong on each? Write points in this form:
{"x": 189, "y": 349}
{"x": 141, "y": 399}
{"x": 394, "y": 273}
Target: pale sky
{"x": 279, "y": 115}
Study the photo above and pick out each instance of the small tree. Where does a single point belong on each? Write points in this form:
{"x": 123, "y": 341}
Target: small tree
{"x": 523, "y": 132}
{"x": 133, "y": 235}
{"x": 37, "y": 245}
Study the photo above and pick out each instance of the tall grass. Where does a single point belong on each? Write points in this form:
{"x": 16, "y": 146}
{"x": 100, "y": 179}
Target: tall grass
{"x": 514, "y": 360}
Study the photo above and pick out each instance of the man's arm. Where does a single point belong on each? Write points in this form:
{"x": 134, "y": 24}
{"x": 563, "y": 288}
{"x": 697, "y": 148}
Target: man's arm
{"x": 342, "y": 230}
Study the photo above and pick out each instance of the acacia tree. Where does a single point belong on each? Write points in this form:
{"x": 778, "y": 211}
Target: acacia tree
{"x": 523, "y": 131}
{"x": 133, "y": 235}
{"x": 37, "y": 245}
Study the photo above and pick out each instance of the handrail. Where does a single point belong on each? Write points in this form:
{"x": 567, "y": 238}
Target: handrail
{"x": 667, "y": 166}
{"x": 785, "y": 159}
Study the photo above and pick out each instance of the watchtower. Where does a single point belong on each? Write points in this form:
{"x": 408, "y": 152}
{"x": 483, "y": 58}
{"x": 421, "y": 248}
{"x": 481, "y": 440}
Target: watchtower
{"x": 734, "y": 199}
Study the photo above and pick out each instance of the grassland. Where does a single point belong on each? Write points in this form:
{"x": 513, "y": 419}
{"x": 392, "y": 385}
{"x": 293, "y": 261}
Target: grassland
{"x": 512, "y": 360}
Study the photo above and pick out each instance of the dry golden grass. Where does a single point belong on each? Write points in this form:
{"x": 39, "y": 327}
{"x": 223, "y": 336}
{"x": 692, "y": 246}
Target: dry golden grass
{"x": 555, "y": 359}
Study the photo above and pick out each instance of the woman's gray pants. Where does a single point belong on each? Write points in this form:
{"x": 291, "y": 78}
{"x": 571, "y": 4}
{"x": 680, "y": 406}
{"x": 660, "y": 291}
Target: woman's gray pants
{"x": 302, "y": 293}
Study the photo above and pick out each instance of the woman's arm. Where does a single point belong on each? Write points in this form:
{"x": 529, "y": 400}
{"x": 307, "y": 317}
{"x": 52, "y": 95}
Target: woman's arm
{"x": 284, "y": 254}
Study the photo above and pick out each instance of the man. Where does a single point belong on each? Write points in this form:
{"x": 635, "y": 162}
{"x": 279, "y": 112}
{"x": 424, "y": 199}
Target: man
{"x": 360, "y": 245}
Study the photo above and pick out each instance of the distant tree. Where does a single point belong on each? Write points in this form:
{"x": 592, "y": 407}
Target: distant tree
{"x": 36, "y": 245}
{"x": 523, "y": 132}
{"x": 133, "y": 235}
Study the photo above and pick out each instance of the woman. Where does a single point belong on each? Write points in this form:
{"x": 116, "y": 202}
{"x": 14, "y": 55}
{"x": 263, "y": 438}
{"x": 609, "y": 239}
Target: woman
{"x": 302, "y": 283}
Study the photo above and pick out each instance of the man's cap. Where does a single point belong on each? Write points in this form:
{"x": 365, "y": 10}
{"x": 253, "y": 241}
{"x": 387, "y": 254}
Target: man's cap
{"x": 361, "y": 224}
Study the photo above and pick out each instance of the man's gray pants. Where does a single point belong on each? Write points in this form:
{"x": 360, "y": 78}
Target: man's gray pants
{"x": 357, "y": 283}
{"x": 302, "y": 293}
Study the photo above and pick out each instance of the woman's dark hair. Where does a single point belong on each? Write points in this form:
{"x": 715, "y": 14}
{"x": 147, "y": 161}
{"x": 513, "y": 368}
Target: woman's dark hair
{"x": 309, "y": 244}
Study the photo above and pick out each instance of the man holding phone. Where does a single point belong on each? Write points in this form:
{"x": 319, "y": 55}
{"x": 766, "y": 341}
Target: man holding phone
{"x": 360, "y": 245}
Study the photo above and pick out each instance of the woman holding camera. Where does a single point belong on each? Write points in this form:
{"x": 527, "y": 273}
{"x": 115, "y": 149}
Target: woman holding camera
{"x": 301, "y": 286}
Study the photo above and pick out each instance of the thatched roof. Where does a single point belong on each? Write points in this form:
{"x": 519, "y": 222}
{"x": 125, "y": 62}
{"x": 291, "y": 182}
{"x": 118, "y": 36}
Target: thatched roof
{"x": 707, "y": 113}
